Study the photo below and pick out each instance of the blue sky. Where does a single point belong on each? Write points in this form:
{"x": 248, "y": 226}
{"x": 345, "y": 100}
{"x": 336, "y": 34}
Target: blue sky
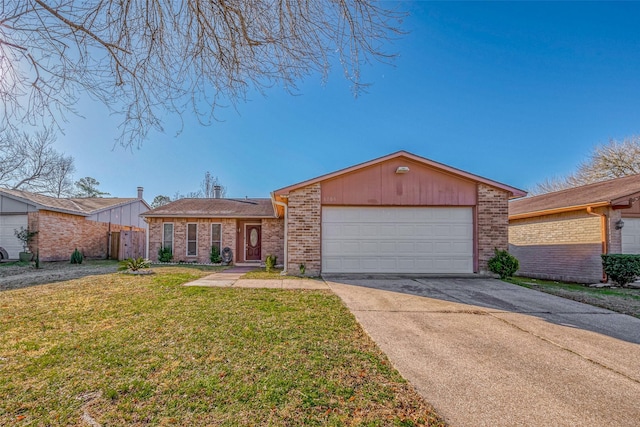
{"x": 512, "y": 91}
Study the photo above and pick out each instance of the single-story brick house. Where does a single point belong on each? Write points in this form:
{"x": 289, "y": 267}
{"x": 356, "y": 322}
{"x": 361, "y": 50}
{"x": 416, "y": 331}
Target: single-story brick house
{"x": 400, "y": 213}
{"x": 64, "y": 224}
{"x": 561, "y": 235}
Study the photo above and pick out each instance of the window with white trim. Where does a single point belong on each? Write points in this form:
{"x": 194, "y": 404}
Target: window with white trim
{"x": 192, "y": 239}
{"x": 216, "y": 236}
{"x": 167, "y": 236}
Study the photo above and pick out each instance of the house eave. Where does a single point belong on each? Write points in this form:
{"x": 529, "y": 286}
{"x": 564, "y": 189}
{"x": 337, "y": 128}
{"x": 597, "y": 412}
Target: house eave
{"x": 558, "y": 210}
{"x": 188, "y": 215}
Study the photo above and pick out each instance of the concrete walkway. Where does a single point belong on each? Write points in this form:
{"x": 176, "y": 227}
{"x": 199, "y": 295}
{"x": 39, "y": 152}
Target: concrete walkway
{"x": 499, "y": 362}
{"x": 231, "y": 278}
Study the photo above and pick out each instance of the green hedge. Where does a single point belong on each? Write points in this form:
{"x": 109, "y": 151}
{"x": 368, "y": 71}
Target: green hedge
{"x": 621, "y": 268}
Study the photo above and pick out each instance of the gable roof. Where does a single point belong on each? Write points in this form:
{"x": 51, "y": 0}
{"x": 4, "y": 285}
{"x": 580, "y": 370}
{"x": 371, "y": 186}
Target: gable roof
{"x": 84, "y": 206}
{"x": 515, "y": 192}
{"x": 614, "y": 192}
{"x": 215, "y": 208}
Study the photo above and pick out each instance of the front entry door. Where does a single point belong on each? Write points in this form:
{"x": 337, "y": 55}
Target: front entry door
{"x": 253, "y": 235}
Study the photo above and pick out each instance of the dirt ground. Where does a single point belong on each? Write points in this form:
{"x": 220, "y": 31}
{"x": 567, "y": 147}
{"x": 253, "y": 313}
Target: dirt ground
{"x": 15, "y": 276}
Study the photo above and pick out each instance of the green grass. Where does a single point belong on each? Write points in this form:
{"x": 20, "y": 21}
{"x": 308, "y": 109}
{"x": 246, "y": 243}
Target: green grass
{"x": 273, "y": 274}
{"x": 15, "y": 263}
{"x": 623, "y": 300}
{"x": 143, "y": 350}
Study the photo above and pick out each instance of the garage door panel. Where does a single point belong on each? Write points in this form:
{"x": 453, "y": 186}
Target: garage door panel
{"x": 631, "y": 236}
{"x": 8, "y": 240}
{"x": 397, "y": 240}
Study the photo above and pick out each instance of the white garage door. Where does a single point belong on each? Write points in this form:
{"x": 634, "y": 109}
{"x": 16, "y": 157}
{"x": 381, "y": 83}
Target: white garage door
{"x": 631, "y": 236}
{"x": 8, "y": 240}
{"x": 397, "y": 240}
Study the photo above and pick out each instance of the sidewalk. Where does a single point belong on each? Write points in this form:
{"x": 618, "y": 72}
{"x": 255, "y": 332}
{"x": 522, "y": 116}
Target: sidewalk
{"x": 231, "y": 278}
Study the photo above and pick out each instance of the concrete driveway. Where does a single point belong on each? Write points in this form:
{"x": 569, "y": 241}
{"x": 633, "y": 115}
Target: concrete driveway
{"x": 488, "y": 353}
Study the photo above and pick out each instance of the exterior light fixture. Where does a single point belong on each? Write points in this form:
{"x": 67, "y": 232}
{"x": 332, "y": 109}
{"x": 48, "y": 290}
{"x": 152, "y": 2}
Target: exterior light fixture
{"x": 619, "y": 224}
{"x": 402, "y": 169}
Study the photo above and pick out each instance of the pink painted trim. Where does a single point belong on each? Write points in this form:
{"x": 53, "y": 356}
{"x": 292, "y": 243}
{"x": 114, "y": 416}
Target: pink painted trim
{"x": 515, "y": 192}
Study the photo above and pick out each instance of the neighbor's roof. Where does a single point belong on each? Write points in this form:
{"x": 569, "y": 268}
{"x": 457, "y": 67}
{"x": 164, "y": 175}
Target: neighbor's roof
{"x": 84, "y": 206}
{"x": 515, "y": 192}
{"x": 614, "y": 192}
{"x": 215, "y": 208}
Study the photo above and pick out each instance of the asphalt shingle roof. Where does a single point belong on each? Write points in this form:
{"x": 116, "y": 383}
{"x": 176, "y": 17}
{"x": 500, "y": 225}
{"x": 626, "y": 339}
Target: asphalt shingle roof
{"x": 600, "y": 192}
{"x": 216, "y": 208}
{"x": 80, "y": 205}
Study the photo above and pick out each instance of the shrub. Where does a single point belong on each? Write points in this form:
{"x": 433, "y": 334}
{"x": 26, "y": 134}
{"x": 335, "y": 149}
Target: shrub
{"x": 214, "y": 255}
{"x": 270, "y": 262}
{"x": 621, "y": 268}
{"x": 165, "y": 255}
{"x": 25, "y": 236}
{"x": 503, "y": 264}
{"x": 302, "y": 268}
{"x": 76, "y": 257}
{"x": 134, "y": 264}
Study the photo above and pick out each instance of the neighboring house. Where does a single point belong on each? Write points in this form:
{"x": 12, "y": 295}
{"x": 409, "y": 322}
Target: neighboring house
{"x": 561, "y": 235}
{"x": 66, "y": 223}
{"x": 400, "y": 213}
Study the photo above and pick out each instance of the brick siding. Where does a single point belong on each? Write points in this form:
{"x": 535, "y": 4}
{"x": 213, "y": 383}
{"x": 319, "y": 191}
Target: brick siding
{"x": 180, "y": 237}
{"x": 59, "y": 234}
{"x": 273, "y": 238}
{"x": 493, "y": 221}
{"x": 303, "y": 223}
{"x": 565, "y": 246}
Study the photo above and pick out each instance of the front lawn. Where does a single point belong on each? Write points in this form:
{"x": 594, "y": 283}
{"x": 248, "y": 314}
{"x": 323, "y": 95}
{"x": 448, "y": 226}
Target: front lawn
{"x": 621, "y": 300}
{"x": 142, "y": 350}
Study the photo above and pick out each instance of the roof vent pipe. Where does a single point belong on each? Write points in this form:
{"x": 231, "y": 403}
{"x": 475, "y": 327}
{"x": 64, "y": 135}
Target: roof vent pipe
{"x": 140, "y": 190}
{"x": 217, "y": 191}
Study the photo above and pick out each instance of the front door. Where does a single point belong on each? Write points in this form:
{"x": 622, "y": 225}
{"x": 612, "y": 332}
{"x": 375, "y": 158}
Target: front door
{"x": 253, "y": 236}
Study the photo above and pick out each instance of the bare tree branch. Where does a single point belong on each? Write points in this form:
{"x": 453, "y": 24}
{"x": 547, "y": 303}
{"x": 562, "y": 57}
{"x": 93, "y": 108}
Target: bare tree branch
{"x": 607, "y": 161}
{"x": 142, "y": 58}
{"x": 30, "y": 163}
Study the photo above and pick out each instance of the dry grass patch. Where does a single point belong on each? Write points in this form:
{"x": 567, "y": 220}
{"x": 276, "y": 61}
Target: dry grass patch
{"x": 139, "y": 350}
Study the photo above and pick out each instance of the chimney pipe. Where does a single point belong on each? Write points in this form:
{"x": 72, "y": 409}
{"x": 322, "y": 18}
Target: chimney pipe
{"x": 217, "y": 191}
{"x": 140, "y": 190}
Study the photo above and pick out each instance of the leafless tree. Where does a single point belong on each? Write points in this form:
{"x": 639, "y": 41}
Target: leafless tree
{"x": 142, "y": 58}
{"x": 60, "y": 183}
{"x": 607, "y": 161}
{"x": 29, "y": 162}
{"x": 208, "y": 186}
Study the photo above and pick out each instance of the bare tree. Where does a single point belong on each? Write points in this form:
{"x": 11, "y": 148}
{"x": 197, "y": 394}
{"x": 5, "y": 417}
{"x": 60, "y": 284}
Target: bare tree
{"x": 607, "y": 161}
{"x": 144, "y": 58}
{"x": 209, "y": 184}
{"x": 29, "y": 162}
{"x": 60, "y": 183}
{"x": 88, "y": 187}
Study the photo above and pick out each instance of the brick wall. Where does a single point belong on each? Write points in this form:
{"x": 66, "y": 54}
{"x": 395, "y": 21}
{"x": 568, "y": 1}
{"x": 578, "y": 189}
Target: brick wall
{"x": 273, "y": 238}
{"x": 564, "y": 246}
{"x": 180, "y": 237}
{"x": 614, "y": 236}
{"x": 303, "y": 223}
{"x": 59, "y": 234}
{"x": 493, "y": 223}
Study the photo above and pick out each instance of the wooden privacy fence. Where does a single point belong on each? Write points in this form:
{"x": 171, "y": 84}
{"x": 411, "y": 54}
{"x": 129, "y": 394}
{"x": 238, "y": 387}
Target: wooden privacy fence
{"x": 127, "y": 244}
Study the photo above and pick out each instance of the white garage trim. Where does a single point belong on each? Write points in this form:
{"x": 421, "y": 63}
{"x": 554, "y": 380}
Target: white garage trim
{"x": 397, "y": 239}
{"x": 8, "y": 240}
{"x": 631, "y": 236}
